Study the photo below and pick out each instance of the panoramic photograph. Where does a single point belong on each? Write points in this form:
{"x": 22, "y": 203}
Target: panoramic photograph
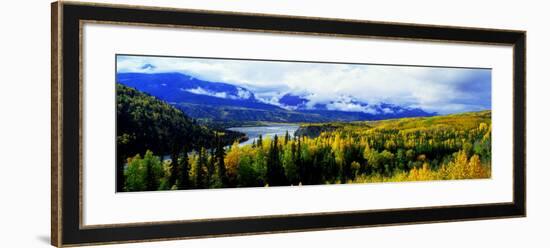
{"x": 203, "y": 123}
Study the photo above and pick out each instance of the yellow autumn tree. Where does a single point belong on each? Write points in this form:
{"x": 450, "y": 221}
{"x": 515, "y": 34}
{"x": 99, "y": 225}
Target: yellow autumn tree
{"x": 232, "y": 159}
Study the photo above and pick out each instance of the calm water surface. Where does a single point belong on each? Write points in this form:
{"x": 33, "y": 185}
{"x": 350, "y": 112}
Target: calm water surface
{"x": 266, "y": 131}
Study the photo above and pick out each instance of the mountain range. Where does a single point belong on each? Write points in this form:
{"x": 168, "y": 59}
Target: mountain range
{"x": 223, "y": 102}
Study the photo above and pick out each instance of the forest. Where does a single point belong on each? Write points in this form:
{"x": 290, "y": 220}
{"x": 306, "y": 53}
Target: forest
{"x": 160, "y": 148}
{"x": 146, "y": 124}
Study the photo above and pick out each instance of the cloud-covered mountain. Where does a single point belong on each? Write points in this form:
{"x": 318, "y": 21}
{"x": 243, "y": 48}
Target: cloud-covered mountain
{"x": 346, "y": 107}
{"x": 177, "y": 88}
{"x": 444, "y": 90}
{"x": 227, "y": 102}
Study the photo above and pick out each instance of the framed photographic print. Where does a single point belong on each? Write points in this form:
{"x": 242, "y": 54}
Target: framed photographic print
{"x": 175, "y": 123}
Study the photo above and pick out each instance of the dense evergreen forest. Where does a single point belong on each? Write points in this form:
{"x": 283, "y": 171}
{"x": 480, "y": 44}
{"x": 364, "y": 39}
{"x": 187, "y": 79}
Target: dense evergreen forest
{"x": 408, "y": 149}
{"x": 146, "y": 124}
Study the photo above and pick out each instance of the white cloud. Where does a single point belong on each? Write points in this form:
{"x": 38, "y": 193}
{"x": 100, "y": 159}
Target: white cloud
{"x": 243, "y": 93}
{"x": 201, "y": 91}
{"x": 444, "y": 90}
{"x": 387, "y": 111}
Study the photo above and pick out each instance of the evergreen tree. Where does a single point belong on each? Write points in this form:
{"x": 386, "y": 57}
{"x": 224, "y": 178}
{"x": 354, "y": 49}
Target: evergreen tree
{"x": 299, "y": 162}
{"x": 221, "y": 171}
{"x": 287, "y": 137}
{"x": 153, "y": 171}
{"x": 290, "y": 168}
{"x": 260, "y": 141}
{"x": 275, "y": 171}
{"x": 211, "y": 167}
{"x": 199, "y": 167}
{"x": 120, "y": 179}
{"x": 174, "y": 169}
{"x": 150, "y": 179}
{"x": 332, "y": 166}
{"x": 183, "y": 181}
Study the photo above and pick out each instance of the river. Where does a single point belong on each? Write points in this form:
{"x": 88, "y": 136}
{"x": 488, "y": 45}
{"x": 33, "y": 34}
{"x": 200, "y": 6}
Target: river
{"x": 266, "y": 131}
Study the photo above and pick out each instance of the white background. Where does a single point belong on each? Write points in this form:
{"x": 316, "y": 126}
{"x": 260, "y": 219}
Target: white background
{"x": 25, "y": 128}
